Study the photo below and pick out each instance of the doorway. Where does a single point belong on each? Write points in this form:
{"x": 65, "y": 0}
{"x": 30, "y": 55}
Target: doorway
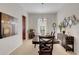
{"x": 23, "y": 27}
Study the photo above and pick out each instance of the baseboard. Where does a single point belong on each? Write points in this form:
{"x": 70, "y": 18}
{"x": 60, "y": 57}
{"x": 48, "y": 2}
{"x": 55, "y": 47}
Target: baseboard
{"x": 14, "y": 49}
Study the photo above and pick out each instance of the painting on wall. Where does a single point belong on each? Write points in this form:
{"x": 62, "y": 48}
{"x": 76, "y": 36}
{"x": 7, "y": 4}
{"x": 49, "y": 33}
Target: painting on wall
{"x": 8, "y": 25}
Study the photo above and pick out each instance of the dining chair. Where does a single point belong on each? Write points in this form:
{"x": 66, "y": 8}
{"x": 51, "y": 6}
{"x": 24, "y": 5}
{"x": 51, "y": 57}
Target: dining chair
{"x": 46, "y": 45}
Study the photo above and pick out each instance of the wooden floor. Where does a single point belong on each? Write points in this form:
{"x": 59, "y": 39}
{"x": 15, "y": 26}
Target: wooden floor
{"x": 28, "y": 49}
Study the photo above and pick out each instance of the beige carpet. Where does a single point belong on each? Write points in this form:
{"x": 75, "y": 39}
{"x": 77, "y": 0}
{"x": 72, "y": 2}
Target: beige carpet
{"x": 28, "y": 49}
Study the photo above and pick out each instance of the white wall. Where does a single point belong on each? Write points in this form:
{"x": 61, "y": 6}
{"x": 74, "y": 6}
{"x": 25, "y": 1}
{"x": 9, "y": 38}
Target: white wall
{"x": 66, "y": 11}
{"x": 8, "y": 44}
{"x": 34, "y": 17}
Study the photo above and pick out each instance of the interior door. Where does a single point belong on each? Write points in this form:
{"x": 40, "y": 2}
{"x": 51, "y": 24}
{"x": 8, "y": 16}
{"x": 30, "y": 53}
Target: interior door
{"x": 24, "y": 27}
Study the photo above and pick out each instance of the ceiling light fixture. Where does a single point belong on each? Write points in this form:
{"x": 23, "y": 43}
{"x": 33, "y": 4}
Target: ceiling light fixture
{"x": 42, "y": 3}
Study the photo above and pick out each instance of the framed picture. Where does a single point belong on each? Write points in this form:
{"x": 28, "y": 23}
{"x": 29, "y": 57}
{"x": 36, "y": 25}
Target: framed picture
{"x": 7, "y": 25}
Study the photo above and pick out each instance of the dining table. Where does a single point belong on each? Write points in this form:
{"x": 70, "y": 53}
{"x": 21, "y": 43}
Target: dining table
{"x": 35, "y": 40}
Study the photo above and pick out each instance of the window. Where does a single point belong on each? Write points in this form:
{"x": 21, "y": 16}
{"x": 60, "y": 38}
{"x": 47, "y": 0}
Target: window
{"x": 42, "y": 26}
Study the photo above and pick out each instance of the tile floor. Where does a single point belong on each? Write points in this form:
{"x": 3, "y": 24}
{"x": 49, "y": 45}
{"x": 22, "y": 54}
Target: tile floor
{"x": 28, "y": 49}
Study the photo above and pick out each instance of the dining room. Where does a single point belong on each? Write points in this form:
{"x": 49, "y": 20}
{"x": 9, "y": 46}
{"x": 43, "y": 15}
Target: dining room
{"x": 39, "y": 29}
{"x": 56, "y": 22}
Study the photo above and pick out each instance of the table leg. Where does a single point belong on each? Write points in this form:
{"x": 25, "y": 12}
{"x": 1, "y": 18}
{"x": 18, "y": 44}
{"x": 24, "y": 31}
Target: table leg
{"x": 35, "y": 46}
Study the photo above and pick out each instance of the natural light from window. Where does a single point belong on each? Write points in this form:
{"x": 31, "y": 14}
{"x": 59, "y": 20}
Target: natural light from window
{"x": 42, "y": 24}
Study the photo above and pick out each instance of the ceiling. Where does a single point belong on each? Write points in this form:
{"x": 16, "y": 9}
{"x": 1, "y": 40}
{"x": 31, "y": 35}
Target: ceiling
{"x": 41, "y": 7}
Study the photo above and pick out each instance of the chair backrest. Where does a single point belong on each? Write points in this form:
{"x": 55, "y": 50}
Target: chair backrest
{"x": 46, "y": 41}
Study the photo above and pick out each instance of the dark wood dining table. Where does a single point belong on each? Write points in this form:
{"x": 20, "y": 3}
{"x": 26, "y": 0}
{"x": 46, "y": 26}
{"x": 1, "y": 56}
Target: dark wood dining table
{"x": 35, "y": 40}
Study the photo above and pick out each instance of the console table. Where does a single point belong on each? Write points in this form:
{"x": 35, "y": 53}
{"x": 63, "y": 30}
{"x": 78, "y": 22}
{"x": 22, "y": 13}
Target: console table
{"x": 69, "y": 43}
